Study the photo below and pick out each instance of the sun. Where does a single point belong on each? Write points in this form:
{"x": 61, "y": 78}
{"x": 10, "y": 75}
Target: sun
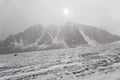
{"x": 66, "y": 11}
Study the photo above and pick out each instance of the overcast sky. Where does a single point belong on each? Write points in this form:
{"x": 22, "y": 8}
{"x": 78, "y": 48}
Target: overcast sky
{"x": 17, "y": 15}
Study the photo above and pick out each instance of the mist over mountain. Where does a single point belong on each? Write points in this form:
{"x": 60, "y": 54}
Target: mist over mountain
{"x": 70, "y": 35}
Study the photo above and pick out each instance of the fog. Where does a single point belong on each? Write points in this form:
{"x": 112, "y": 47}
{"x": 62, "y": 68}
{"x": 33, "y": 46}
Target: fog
{"x": 18, "y": 15}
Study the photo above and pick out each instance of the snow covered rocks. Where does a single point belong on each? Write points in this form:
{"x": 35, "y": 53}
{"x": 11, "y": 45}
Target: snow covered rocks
{"x": 101, "y": 62}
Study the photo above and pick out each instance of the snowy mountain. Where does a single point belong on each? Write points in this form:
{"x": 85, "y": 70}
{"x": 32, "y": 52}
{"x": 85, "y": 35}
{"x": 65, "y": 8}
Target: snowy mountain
{"x": 52, "y": 37}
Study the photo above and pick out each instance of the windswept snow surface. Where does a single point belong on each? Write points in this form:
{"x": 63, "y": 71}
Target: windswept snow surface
{"x": 101, "y": 62}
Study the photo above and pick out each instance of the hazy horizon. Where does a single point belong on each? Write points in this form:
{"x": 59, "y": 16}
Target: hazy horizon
{"x": 18, "y": 15}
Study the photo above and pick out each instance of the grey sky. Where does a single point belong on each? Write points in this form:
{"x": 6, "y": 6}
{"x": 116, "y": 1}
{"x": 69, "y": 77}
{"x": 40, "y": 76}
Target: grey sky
{"x": 17, "y": 15}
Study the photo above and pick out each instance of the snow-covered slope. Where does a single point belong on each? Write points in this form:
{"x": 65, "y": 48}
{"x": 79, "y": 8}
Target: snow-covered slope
{"x": 52, "y": 37}
{"x": 101, "y": 62}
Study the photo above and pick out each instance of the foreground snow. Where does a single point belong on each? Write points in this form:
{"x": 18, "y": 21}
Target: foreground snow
{"x": 101, "y": 62}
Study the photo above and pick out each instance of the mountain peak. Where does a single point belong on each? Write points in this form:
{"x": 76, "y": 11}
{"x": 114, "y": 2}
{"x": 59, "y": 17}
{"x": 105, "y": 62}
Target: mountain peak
{"x": 70, "y": 35}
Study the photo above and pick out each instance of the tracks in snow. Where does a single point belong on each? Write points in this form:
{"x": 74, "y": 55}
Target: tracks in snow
{"x": 33, "y": 73}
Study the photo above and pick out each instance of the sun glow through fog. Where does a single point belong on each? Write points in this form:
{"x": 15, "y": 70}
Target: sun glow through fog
{"x": 66, "y": 11}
